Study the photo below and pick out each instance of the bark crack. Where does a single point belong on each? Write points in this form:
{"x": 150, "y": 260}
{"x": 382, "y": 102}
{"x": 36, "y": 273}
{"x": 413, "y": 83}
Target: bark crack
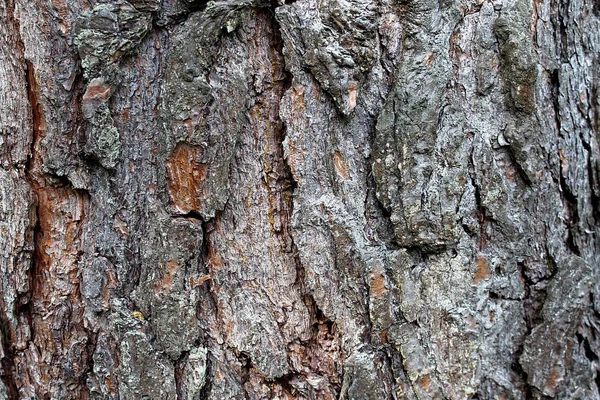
{"x": 320, "y": 323}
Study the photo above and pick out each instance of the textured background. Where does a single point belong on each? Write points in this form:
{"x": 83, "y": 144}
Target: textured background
{"x": 322, "y": 199}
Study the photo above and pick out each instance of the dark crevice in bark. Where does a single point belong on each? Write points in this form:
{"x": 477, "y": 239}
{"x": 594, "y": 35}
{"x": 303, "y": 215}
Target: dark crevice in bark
{"x": 520, "y": 171}
{"x": 133, "y": 258}
{"x": 197, "y": 5}
{"x": 393, "y": 358}
{"x": 8, "y": 367}
{"x": 279, "y": 177}
{"x": 533, "y": 299}
{"x": 558, "y": 20}
{"x": 592, "y": 179}
{"x": 368, "y": 336}
{"x": 245, "y": 365}
{"x": 281, "y": 187}
{"x": 595, "y": 100}
{"x": 594, "y": 309}
{"x": 594, "y": 332}
{"x": 91, "y": 345}
{"x": 317, "y": 315}
{"x": 206, "y": 252}
{"x": 378, "y": 218}
{"x": 79, "y": 87}
{"x": 480, "y": 208}
{"x": 286, "y": 182}
{"x": 552, "y": 266}
{"x": 7, "y": 371}
{"x": 467, "y": 229}
{"x": 532, "y": 311}
{"x": 597, "y": 378}
{"x": 284, "y": 382}
{"x": 555, "y": 82}
{"x": 572, "y": 214}
{"x": 33, "y": 95}
{"x": 596, "y": 7}
{"x": 181, "y": 16}
{"x": 569, "y": 199}
{"x": 209, "y": 376}
{"x": 36, "y": 117}
{"x": 528, "y": 390}
{"x": 179, "y": 366}
{"x": 320, "y": 317}
{"x": 25, "y": 300}
{"x": 289, "y": 176}
{"x": 290, "y": 185}
{"x": 590, "y": 354}
{"x": 192, "y": 214}
{"x": 594, "y": 182}
{"x": 321, "y": 320}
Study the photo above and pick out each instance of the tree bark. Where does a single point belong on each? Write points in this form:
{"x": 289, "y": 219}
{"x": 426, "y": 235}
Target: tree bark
{"x": 343, "y": 199}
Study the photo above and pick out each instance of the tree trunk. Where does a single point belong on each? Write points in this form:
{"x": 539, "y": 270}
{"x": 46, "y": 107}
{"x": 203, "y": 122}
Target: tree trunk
{"x": 342, "y": 199}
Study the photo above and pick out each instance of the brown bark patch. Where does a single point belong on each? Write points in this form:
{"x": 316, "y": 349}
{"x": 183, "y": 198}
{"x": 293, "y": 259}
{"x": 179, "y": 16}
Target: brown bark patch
{"x": 483, "y": 270}
{"x": 166, "y": 283}
{"x": 319, "y": 361}
{"x": 340, "y": 165}
{"x": 97, "y": 90}
{"x": 298, "y": 106}
{"x": 424, "y": 382}
{"x": 189, "y": 126}
{"x": 121, "y": 227}
{"x": 194, "y": 283}
{"x": 564, "y": 162}
{"x": 352, "y": 93}
{"x": 378, "y": 285}
{"x": 57, "y": 311}
{"x": 107, "y": 292}
{"x": 185, "y": 177}
{"x": 62, "y": 10}
{"x": 60, "y": 213}
{"x": 214, "y": 259}
{"x": 553, "y": 381}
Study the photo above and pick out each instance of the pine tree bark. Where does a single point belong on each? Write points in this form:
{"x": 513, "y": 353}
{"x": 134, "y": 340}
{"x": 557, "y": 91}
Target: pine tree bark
{"x": 251, "y": 199}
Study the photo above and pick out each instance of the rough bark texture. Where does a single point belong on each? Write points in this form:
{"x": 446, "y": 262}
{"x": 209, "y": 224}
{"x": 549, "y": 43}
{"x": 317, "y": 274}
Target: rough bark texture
{"x": 311, "y": 199}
